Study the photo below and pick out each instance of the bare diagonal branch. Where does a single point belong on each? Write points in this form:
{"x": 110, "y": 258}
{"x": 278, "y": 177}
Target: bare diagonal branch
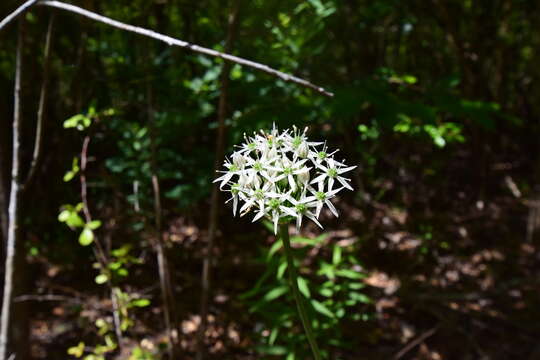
{"x": 184, "y": 44}
{"x": 20, "y": 10}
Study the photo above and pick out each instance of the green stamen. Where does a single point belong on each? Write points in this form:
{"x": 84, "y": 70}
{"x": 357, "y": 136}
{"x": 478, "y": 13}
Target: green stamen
{"x": 274, "y": 204}
{"x": 332, "y": 172}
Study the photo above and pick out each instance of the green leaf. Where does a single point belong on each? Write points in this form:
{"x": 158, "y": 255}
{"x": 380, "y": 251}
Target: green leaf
{"x": 75, "y": 220}
{"x": 93, "y": 225}
{"x": 76, "y": 351}
{"x": 356, "y": 286}
{"x": 275, "y": 293}
{"x": 101, "y": 279}
{"x": 351, "y": 274}
{"x": 140, "y": 302}
{"x": 321, "y": 308}
{"x": 303, "y": 287}
{"x": 278, "y": 244}
{"x": 336, "y": 256}
{"x": 273, "y": 336}
{"x": 281, "y": 270}
{"x": 73, "y": 121}
{"x": 115, "y": 265}
{"x": 123, "y": 272}
{"x": 272, "y": 350}
{"x": 64, "y": 215}
{"x": 326, "y": 292}
{"x": 121, "y": 252}
{"x": 360, "y": 297}
{"x": 86, "y": 237}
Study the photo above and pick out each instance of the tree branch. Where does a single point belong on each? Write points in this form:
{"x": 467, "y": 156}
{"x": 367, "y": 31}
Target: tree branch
{"x": 41, "y": 108}
{"x": 19, "y": 11}
{"x": 415, "y": 342}
{"x": 184, "y": 44}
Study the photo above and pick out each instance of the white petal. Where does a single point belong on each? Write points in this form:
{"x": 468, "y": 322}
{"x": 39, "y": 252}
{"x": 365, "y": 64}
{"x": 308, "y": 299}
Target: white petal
{"x": 259, "y": 215}
{"x": 302, "y": 170}
{"x": 343, "y": 182}
{"x": 292, "y": 183}
{"x": 226, "y": 179}
{"x": 235, "y": 205}
{"x": 288, "y": 211}
{"x": 307, "y": 199}
{"x": 314, "y": 219}
{"x": 319, "y": 208}
{"x": 344, "y": 170}
{"x": 331, "y": 207}
{"x": 248, "y": 204}
{"x": 276, "y": 219}
{"x": 332, "y": 193}
{"x": 318, "y": 179}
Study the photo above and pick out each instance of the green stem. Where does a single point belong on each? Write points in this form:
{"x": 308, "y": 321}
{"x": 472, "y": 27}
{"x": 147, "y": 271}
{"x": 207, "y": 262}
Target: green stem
{"x": 293, "y": 278}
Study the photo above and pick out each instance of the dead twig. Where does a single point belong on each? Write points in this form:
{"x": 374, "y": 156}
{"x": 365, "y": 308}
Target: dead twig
{"x": 415, "y": 342}
{"x": 49, "y": 297}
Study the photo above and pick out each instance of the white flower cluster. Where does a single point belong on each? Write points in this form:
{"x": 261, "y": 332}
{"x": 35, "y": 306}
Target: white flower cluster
{"x": 283, "y": 176}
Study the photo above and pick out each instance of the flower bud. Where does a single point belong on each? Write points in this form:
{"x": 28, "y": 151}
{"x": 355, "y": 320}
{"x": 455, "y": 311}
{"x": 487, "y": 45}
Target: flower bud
{"x": 238, "y": 159}
{"x": 256, "y": 182}
{"x": 302, "y": 150}
{"x": 303, "y": 177}
{"x": 243, "y": 181}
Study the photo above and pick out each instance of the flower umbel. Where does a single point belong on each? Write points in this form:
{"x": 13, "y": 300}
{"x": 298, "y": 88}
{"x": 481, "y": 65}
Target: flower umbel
{"x": 283, "y": 176}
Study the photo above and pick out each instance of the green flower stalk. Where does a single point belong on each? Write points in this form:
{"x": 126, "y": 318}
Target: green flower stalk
{"x": 293, "y": 279}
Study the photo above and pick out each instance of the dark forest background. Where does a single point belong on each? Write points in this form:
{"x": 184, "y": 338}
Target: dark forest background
{"x": 435, "y": 254}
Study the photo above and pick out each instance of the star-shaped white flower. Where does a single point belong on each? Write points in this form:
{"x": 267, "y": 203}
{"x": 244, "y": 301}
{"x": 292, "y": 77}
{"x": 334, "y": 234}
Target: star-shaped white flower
{"x": 332, "y": 172}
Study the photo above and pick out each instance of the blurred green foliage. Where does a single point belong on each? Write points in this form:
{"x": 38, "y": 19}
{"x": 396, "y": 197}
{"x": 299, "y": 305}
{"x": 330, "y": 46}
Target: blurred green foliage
{"x": 332, "y": 287}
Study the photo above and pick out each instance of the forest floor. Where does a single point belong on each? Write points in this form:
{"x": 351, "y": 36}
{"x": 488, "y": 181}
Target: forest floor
{"x": 465, "y": 287}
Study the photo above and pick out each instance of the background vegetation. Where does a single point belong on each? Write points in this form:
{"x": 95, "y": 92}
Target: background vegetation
{"x": 435, "y": 255}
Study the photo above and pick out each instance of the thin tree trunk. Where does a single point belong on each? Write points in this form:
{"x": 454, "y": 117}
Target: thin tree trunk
{"x": 36, "y": 157}
{"x": 3, "y": 204}
{"x": 214, "y": 200}
{"x": 163, "y": 264}
{"x": 13, "y": 212}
